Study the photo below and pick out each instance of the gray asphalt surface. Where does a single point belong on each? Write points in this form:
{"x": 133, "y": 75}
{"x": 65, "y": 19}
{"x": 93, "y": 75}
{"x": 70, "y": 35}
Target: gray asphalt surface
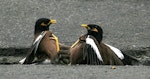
{"x": 126, "y": 25}
{"x": 73, "y": 72}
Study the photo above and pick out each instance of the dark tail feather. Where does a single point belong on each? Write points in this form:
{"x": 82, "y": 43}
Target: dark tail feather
{"x": 130, "y": 60}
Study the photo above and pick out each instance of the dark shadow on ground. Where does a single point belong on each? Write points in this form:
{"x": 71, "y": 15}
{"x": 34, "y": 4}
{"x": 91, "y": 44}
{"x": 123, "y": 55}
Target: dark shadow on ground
{"x": 13, "y": 55}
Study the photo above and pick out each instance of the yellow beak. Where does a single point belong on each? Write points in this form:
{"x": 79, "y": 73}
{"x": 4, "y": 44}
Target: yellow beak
{"x": 52, "y": 21}
{"x": 84, "y": 25}
{"x": 88, "y": 28}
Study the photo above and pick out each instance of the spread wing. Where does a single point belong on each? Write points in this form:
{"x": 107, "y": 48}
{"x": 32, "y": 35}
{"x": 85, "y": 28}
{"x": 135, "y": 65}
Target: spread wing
{"x": 32, "y": 51}
{"x": 125, "y": 58}
{"x": 30, "y": 57}
{"x": 130, "y": 60}
{"x": 90, "y": 55}
{"x": 116, "y": 51}
{"x": 91, "y": 52}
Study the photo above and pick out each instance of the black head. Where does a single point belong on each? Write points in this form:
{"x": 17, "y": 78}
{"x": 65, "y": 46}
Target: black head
{"x": 43, "y": 24}
{"x": 94, "y": 30}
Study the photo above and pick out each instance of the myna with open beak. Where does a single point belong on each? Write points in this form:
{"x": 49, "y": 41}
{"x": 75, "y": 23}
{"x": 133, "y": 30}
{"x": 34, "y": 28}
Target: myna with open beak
{"x": 89, "y": 49}
{"x": 45, "y": 46}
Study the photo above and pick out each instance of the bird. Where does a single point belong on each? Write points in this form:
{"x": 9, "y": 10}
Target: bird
{"x": 90, "y": 49}
{"x": 45, "y": 46}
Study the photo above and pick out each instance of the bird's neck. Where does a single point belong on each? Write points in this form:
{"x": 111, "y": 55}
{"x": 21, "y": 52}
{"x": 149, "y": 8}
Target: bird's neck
{"x": 96, "y": 35}
{"x": 39, "y": 30}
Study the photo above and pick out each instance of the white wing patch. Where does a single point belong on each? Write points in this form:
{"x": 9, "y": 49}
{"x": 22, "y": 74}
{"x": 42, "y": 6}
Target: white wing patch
{"x": 93, "y": 45}
{"x": 22, "y": 61}
{"x": 116, "y": 51}
{"x": 37, "y": 40}
{"x": 39, "y": 37}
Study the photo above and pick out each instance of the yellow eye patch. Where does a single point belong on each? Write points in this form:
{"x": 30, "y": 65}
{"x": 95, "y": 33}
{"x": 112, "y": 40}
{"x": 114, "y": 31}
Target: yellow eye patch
{"x": 95, "y": 30}
{"x": 43, "y": 24}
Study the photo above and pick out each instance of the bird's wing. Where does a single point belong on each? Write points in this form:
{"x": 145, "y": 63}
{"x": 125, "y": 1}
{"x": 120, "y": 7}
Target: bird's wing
{"x": 32, "y": 51}
{"x": 126, "y": 59}
{"x": 130, "y": 60}
{"x": 116, "y": 51}
{"x": 90, "y": 56}
{"x": 92, "y": 48}
{"x": 30, "y": 56}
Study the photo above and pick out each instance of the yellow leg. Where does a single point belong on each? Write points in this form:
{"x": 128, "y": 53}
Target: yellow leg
{"x": 57, "y": 43}
{"x": 74, "y": 43}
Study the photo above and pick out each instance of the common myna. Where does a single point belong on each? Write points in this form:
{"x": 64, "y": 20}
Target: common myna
{"x": 89, "y": 49}
{"x": 45, "y": 46}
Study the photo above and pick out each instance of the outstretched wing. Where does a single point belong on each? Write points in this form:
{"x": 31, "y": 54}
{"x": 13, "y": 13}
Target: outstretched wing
{"x": 90, "y": 56}
{"x": 32, "y": 51}
{"x": 30, "y": 57}
{"x": 130, "y": 60}
{"x": 91, "y": 52}
{"x": 125, "y": 58}
{"x": 116, "y": 51}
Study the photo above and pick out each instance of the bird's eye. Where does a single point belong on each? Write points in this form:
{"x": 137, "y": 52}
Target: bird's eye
{"x": 43, "y": 24}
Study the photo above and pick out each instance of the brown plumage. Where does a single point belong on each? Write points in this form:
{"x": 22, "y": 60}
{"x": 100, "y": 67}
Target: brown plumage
{"x": 47, "y": 48}
{"x": 83, "y": 53}
{"x": 45, "y": 44}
